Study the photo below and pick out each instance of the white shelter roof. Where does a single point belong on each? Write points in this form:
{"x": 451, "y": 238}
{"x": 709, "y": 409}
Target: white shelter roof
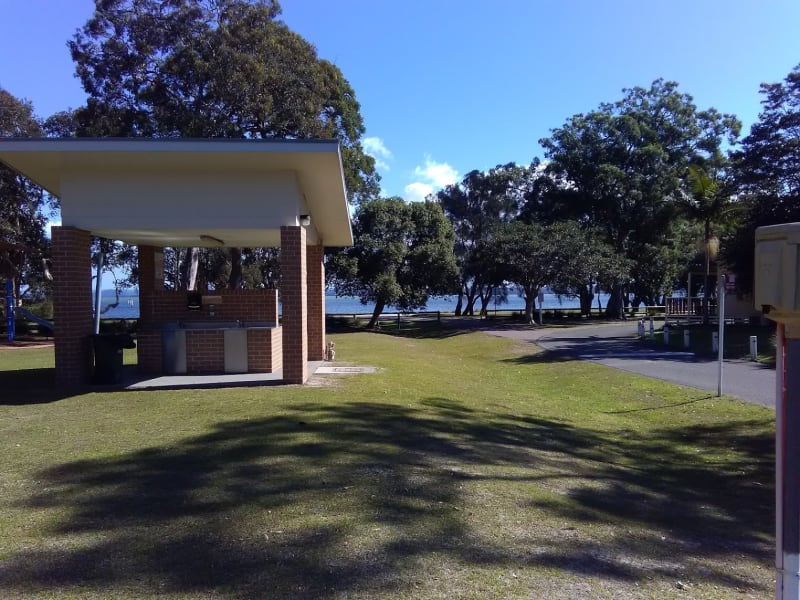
{"x": 190, "y": 192}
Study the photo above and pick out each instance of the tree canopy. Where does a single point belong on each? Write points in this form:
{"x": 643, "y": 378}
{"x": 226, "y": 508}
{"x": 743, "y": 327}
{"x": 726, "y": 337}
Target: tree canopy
{"x": 211, "y": 69}
{"x": 23, "y": 206}
{"x": 402, "y": 255}
{"x": 214, "y": 68}
{"x": 630, "y": 196}
{"x": 534, "y": 256}
{"x": 622, "y": 166}
{"x": 767, "y": 172}
{"x": 475, "y": 206}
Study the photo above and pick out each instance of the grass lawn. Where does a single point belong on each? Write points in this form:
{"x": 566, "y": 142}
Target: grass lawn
{"x": 467, "y": 467}
{"x": 737, "y": 340}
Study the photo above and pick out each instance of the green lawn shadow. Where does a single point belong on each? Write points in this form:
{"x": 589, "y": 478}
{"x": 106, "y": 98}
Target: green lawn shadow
{"x": 193, "y": 518}
{"x": 32, "y": 386}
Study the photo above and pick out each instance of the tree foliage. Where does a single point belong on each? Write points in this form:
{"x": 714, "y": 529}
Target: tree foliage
{"x": 767, "y": 172}
{"x": 561, "y": 256}
{"x": 624, "y": 195}
{"x": 402, "y": 255}
{"x": 662, "y": 265}
{"x": 475, "y": 206}
{"x": 623, "y": 166}
{"x": 212, "y": 69}
{"x": 23, "y": 207}
{"x": 707, "y": 201}
{"x": 591, "y": 263}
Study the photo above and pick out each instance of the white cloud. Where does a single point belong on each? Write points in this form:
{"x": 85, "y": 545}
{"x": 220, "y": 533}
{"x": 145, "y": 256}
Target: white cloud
{"x": 432, "y": 177}
{"x": 439, "y": 174}
{"x": 417, "y": 191}
{"x": 375, "y": 147}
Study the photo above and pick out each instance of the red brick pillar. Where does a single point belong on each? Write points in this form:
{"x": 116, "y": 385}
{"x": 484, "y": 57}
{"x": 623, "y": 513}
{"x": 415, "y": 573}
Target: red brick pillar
{"x": 316, "y": 303}
{"x": 151, "y": 278}
{"x": 293, "y": 288}
{"x": 72, "y": 304}
{"x": 147, "y": 282}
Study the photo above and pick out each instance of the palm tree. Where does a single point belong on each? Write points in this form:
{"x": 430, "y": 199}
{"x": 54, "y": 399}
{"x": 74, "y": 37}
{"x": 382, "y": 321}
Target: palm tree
{"x": 708, "y": 201}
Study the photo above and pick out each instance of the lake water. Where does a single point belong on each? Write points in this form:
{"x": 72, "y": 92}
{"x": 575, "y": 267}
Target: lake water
{"x": 128, "y": 307}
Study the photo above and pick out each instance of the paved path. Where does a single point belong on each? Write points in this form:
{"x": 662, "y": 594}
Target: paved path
{"x": 617, "y": 346}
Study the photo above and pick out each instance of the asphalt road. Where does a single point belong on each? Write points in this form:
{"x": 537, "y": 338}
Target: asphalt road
{"x": 617, "y": 346}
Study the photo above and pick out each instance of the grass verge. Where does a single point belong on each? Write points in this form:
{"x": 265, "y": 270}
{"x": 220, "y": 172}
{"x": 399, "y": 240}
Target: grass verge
{"x": 463, "y": 468}
{"x": 737, "y": 340}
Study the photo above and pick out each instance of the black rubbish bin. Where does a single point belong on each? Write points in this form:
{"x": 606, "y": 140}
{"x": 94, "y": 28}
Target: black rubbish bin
{"x": 108, "y": 356}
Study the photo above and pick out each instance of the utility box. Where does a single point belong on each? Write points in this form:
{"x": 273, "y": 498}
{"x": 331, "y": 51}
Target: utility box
{"x": 776, "y": 288}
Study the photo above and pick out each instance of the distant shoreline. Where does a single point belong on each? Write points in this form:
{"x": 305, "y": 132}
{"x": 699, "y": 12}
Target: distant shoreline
{"x": 349, "y": 305}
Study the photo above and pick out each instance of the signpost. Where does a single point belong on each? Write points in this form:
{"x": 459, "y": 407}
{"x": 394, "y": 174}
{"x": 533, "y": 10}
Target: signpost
{"x": 777, "y": 293}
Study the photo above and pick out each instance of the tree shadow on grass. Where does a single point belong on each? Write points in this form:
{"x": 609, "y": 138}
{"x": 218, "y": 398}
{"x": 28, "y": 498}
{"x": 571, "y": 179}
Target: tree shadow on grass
{"x": 540, "y": 356}
{"x": 428, "y": 327}
{"x": 325, "y": 499}
{"x": 661, "y": 406}
{"x": 702, "y": 506}
{"x": 32, "y": 386}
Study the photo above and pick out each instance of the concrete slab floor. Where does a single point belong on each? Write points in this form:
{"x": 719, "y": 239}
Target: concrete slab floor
{"x": 326, "y": 370}
{"x": 214, "y": 381}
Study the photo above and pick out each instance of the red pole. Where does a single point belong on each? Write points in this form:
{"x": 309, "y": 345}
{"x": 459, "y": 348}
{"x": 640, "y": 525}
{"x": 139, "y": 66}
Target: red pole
{"x": 780, "y": 437}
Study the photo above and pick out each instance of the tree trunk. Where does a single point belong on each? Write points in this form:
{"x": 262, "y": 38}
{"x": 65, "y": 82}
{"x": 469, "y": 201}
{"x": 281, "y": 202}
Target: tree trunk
{"x": 470, "y": 310}
{"x": 235, "y": 279}
{"x": 614, "y": 308}
{"x": 14, "y": 294}
{"x": 459, "y": 303}
{"x": 188, "y": 269}
{"x": 706, "y": 317}
{"x": 379, "y": 306}
{"x": 530, "y": 300}
{"x": 183, "y": 267}
{"x": 485, "y": 301}
{"x": 472, "y": 295}
{"x": 586, "y": 296}
{"x": 17, "y": 293}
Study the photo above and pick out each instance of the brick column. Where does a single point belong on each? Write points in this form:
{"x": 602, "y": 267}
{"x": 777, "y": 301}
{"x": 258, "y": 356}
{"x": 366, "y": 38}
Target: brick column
{"x": 316, "y": 303}
{"x": 147, "y": 282}
{"x": 72, "y": 304}
{"x": 151, "y": 278}
{"x": 293, "y": 288}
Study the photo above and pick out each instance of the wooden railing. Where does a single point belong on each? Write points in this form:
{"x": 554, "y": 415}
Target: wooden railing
{"x": 689, "y": 306}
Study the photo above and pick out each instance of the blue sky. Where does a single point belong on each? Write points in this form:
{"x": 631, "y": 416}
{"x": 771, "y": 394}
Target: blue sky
{"x": 447, "y": 86}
